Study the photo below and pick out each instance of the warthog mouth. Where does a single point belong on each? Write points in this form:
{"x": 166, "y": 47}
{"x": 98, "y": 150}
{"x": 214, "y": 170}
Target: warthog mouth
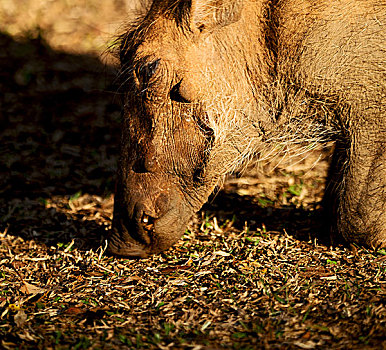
{"x": 128, "y": 249}
{"x": 141, "y": 231}
{"x": 122, "y": 243}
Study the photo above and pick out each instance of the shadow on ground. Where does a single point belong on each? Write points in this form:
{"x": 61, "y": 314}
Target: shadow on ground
{"x": 304, "y": 224}
{"x": 59, "y": 120}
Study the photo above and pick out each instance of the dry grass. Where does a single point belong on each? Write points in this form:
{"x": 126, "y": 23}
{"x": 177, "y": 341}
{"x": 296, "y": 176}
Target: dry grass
{"x": 249, "y": 273}
{"x": 221, "y": 286}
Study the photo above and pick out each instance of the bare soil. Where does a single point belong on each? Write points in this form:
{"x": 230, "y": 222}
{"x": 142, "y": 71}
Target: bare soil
{"x": 250, "y": 272}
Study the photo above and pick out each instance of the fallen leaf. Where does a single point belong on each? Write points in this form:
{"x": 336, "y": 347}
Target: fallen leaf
{"x": 74, "y": 310}
{"x": 29, "y": 288}
{"x": 20, "y": 318}
{"x": 8, "y": 345}
{"x": 305, "y": 345}
{"x": 174, "y": 268}
{"x": 221, "y": 253}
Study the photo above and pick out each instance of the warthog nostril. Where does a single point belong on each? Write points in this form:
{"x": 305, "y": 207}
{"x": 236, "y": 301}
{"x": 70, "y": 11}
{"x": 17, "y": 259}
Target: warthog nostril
{"x": 147, "y": 223}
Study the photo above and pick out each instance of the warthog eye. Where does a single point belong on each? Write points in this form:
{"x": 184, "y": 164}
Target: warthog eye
{"x": 176, "y": 94}
{"x": 146, "y": 71}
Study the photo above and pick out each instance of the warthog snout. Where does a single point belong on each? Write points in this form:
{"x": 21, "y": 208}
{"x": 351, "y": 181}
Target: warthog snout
{"x": 144, "y": 226}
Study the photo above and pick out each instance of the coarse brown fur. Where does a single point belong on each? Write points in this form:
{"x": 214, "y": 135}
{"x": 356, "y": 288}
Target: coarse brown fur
{"x": 210, "y": 85}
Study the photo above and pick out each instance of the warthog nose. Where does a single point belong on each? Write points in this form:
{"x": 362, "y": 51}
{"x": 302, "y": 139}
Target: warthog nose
{"x": 146, "y": 164}
{"x": 144, "y": 223}
{"x": 146, "y": 160}
{"x": 147, "y": 223}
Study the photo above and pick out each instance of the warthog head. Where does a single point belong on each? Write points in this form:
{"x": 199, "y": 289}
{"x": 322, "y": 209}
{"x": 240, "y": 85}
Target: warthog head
{"x": 190, "y": 77}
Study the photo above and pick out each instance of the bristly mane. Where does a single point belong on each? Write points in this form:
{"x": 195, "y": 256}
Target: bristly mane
{"x": 143, "y": 16}
{"x": 179, "y": 10}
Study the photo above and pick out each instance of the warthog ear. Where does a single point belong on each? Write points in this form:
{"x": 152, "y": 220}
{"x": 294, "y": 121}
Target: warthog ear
{"x": 210, "y": 14}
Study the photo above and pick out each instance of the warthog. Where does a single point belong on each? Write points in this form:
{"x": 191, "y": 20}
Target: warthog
{"x": 211, "y": 84}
